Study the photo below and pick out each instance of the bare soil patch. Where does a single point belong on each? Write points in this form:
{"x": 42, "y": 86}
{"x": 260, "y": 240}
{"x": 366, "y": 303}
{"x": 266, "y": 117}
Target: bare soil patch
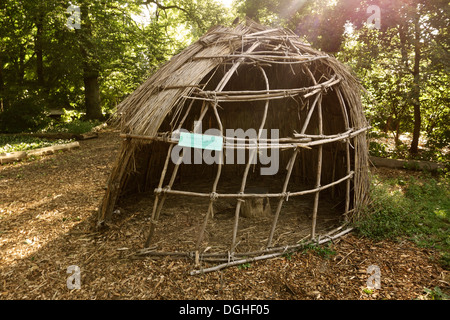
{"x": 182, "y": 218}
{"x": 47, "y": 223}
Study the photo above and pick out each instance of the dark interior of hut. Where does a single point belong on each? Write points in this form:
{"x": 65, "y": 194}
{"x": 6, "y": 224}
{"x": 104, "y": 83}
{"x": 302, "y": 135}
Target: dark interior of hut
{"x": 286, "y": 115}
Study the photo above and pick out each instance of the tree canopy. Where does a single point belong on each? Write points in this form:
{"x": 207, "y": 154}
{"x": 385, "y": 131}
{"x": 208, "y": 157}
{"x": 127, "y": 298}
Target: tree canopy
{"x": 48, "y": 61}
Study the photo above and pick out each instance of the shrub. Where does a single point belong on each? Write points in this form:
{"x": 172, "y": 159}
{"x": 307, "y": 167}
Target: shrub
{"x": 24, "y": 115}
{"x": 378, "y": 149}
{"x": 75, "y": 126}
{"x": 12, "y": 143}
{"x": 409, "y": 208}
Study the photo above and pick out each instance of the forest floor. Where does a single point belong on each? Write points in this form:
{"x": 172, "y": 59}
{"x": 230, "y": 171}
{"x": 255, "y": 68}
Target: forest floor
{"x": 47, "y": 223}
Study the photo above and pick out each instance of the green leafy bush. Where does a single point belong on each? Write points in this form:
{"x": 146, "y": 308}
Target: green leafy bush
{"x": 12, "y": 143}
{"x": 409, "y": 208}
{"x": 76, "y": 126}
{"x": 377, "y": 149}
{"x": 436, "y": 294}
{"x": 73, "y": 125}
{"x": 24, "y": 115}
{"x": 323, "y": 251}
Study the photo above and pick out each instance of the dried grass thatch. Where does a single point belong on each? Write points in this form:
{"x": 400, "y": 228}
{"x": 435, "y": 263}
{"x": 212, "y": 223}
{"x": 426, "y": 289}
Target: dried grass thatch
{"x": 249, "y": 76}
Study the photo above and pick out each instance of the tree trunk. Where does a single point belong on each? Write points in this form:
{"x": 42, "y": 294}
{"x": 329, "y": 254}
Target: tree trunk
{"x": 2, "y": 86}
{"x": 397, "y": 133}
{"x": 21, "y": 65}
{"x": 91, "y": 67}
{"x": 416, "y": 88}
{"x": 403, "y": 44}
{"x": 39, "y": 52}
{"x": 417, "y": 118}
{"x": 92, "y": 95}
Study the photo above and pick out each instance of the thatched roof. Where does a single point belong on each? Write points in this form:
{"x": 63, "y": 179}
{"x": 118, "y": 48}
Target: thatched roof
{"x": 248, "y": 76}
{"x": 143, "y": 112}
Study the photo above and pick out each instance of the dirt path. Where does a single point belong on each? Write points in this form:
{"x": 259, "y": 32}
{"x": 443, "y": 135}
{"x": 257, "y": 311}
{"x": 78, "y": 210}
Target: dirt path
{"x": 47, "y": 214}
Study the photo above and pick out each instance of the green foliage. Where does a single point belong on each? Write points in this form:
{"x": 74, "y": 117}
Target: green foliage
{"x": 244, "y": 266}
{"x": 72, "y": 121}
{"x": 322, "y": 251}
{"x": 387, "y": 216}
{"x": 377, "y": 149}
{"x": 12, "y": 143}
{"x": 368, "y": 291}
{"x": 404, "y": 67}
{"x": 24, "y": 115}
{"x": 436, "y": 100}
{"x": 288, "y": 256}
{"x": 269, "y": 12}
{"x": 71, "y": 115}
{"x": 121, "y": 42}
{"x": 400, "y": 150}
{"x": 76, "y": 126}
{"x": 118, "y": 44}
{"x": 408, "y": 208}
{"x": 436, "y": 294}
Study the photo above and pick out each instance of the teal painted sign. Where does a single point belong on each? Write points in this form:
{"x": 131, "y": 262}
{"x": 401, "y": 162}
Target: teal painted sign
{"x": 200, "y": 141}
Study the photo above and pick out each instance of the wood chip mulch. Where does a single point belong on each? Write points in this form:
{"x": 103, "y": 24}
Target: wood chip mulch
{"x": 47, "y": 216}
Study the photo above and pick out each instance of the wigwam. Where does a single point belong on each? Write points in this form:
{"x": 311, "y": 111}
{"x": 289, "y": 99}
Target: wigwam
{"x": 249, "y": 77}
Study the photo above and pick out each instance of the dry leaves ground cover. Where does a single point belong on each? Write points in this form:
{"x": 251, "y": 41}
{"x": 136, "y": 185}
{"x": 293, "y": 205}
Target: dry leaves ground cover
{"x": 47, "y": 219}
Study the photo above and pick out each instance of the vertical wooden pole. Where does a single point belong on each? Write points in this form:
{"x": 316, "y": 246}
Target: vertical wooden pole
{"x": 223, "y": 82}
{"x": 347, "y": 148}
{"x": 304, "y": 179}
{"x": 115, "y": 181}
{"x": 319, "y": 172}
{"x": 347, "y": 187}
{"x": 154, "y": 218}
{"x": 247, "y": 167}
{"x": 157, "y": 207}
{"x": 308, "y": 117}
{"x": 166, "y": 164}
{"x": 280, "y": 202}
{"x": 333, "y": 174}
{"x": 214, "y": 188}
{"x": 239, "y": 202}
